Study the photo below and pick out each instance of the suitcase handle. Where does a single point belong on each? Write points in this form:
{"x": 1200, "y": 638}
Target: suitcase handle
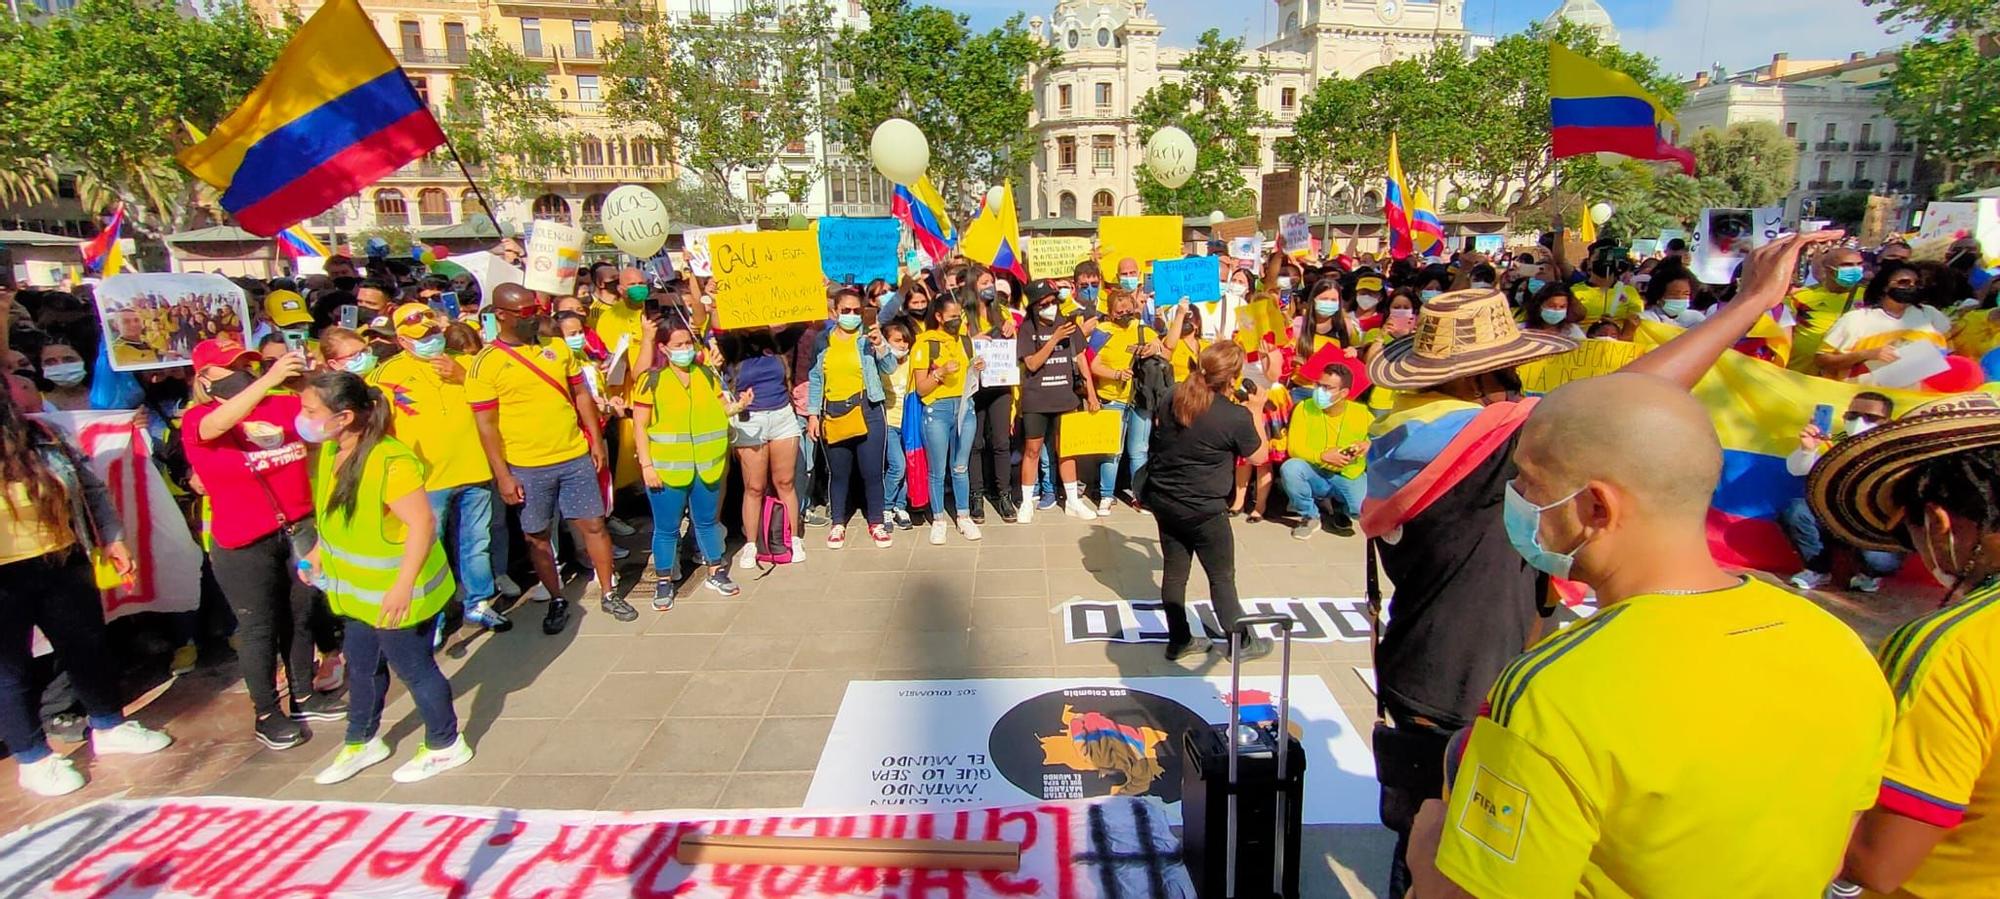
{"x": 1241, "y": 627}
{"x": 1249, "y": 621}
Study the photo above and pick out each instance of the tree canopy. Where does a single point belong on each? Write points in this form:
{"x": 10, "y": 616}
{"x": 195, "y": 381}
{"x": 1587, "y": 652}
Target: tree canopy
{"x": 502, "y": 119}
{"x": 1216, "y": 104}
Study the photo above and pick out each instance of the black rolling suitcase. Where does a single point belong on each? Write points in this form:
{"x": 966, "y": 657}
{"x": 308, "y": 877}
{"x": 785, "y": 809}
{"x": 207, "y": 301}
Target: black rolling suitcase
{"x": 1241, "y": 798}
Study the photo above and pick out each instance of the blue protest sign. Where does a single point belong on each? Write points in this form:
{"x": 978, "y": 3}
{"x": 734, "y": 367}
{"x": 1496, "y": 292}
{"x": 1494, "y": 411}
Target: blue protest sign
{"x": 858, "y": 250}
{"x": 1198, "y": 278}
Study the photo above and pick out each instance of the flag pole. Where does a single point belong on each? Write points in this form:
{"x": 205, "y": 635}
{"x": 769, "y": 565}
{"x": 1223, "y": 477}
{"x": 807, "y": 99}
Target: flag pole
{"x": 491, "y": 216}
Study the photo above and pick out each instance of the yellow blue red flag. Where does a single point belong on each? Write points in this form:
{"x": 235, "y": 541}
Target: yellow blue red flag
{"x": 1594, "y": 109}
{"x": 1413, "y": 225}
{"x": 923, "y": 211}
{"x": 993, "y": 237}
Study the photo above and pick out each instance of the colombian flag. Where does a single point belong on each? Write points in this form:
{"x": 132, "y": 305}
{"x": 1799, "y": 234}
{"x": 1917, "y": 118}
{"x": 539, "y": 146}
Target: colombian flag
{"x": 1413, "y": 225}
{"x": 101, "y": 253}
{"x": 334, "y": 115}
{"x": 923, "y": 211}
{"x": 994, "y": 236}
{"x": 296, "y": 242}
{"x": 1593, "y": 109}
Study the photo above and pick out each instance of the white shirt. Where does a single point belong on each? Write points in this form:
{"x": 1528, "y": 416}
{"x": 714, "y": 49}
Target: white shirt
{"x": 1688, "y": 317}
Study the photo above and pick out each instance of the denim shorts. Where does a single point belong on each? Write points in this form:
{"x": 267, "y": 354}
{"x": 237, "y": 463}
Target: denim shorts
{"x": 565, "y": 489}
{"x": 764, "y": 427}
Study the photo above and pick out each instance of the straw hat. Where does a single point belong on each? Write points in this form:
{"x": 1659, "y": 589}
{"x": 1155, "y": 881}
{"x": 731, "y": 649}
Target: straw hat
{"x": 1459, "y": 334}
{"x": 1852, "y": 489}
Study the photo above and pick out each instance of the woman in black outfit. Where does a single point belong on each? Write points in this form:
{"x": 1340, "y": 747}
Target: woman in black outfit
{"x": 1188, "y": 478}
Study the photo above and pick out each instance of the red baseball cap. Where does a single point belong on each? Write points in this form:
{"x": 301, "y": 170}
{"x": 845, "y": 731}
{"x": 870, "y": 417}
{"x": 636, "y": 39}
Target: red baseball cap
{"x": 219, "y": 352}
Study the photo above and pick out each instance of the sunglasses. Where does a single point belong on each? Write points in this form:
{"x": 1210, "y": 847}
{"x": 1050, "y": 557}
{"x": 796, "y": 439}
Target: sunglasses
{"x": 1869, "y": 417}
{"x": 526, "y": 311}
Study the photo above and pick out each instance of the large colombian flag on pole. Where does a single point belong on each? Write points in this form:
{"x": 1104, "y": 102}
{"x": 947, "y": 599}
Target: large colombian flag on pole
{"x": 993, "y": 237}
{"x": 1593, "y": 109}
{"x": 334, "y": 115}
{"x": 1413, "y": 225}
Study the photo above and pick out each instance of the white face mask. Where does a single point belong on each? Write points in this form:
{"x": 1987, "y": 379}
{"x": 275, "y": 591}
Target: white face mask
{"x": 1948, "y": 578}
{"x": 1859, "y": 427}
{"x": 1235, "y": 291}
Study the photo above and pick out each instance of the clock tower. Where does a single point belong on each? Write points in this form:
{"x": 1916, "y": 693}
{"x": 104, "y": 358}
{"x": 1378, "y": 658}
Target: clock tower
{"x": 1344, "y": 38}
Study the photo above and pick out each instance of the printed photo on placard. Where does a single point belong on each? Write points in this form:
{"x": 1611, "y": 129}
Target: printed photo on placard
{"x": 154, "y": 320}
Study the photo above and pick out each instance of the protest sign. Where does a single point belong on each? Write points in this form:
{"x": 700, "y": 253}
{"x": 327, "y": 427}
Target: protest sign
{"x": 555, "y": 252}
{"x": 1946, "y": 222}
{"x": 1723, "y": 237}
{"x": 859, "y": 250}
{"x": 166, "y": 563}
{"x": 1230, "y": 229}
{"x": 1143, "y": 238}
{"x": 1092, "y": 433}
{"x": 1878, "y": 221}
{"x": 154, "y": 320}
{"x": 767, "y": 278}
{"x": 1245, "y": 248}
{"x": 696, "y": 242}
{"x": 1645, "y": 247}
{"x": 1002, "y": 368}
{"x": 1669, "y": 235}
{"x": 1297, "y": 233}
{"x": 1488, "y": 243}
{"x": 1590, "y": 359}
{"x": 1197, "y": 278}
{"x": 1056, "y": 257}
{"x": 1258, "y": 321}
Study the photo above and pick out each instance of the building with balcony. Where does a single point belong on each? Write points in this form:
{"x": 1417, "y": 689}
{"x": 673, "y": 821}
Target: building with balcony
{"x": 1831, "y": 110}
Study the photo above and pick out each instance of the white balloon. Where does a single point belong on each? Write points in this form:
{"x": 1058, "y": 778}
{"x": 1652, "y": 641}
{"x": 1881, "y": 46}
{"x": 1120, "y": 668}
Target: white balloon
{"x": 1601, "y": 213}
{"x": 1217, "y": 217}
{"x": 1170, "y": 156}
{"x": 900, "y": 151}
{"x": 994, "y": 195}
{"x": 636, "y": 220}
{"x": 1464, "y": 203}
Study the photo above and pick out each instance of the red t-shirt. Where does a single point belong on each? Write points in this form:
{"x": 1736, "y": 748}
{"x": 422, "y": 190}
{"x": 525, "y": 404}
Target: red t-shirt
{"x": 267, "y": 441}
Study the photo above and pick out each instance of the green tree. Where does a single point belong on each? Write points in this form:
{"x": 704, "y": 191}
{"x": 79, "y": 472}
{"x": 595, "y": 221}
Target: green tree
{"x": 966, "y": 90}
{"x": 502, "y": 120}
{"x": 1755, "y": 162}
{"x": 1935, "y": 16}
{"x": 102, "y": 92}
{"x": 1945, "y": 95}
{"x": 1845, "y": 209}
{"x": 730, "y": 91}
{"x": 1216, "y": 104}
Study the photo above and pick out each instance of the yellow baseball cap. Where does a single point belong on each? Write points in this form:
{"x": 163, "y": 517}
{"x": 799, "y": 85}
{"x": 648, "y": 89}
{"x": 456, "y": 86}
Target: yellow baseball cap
{"x": 286, "y": 309}
{"x": 413, "y": 320}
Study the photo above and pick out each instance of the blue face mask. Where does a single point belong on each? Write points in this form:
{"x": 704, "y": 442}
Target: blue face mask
{"x": 850, "y": 321}
{"x": 428, "y": 347}
{"x": 360, "y": 363}
{"x": 1128, "y": 282}
{"x": 681, "y": 358}
{"x": 1847, "y": 275}
{"x": 1535, "y": 285}
{"x": 1089, "y": 292}
{"x": 575, "y": 342}
{"x": 1063, "y": 293}
{"x": 1428, "y": 295}
{"x": 1523, "y": 520}
{"x": 1326, "y": 308}
{"x": 309, "y": 430}
{"x": 1674, "y": 308}
{"x": 1555, "y": 316}
{"x": 1323, "y": 397}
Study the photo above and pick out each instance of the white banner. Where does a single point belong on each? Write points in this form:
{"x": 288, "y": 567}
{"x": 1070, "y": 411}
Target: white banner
{"x": 1320, "y": 619}
{"x": 166, "y": 560}
{"x": 226, "y": 847}
{"x": 943, "y": 743}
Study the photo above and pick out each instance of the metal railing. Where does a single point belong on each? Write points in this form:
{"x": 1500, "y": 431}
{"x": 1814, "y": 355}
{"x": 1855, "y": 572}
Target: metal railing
{"x": 1862, "y": 184}
{"x": 425, "y": 56}
{"x": 1834, "y": 146}
{"x": 1868, "y": 146}
{"x": 1902, "y": 146}
{"x": 1825, "y": 185}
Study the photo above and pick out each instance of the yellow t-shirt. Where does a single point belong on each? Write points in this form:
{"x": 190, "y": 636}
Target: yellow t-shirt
{"x": 935, "y": 348}
{"x": 1185, "y": 353}
{"x": 1816, "y": 309}
{"x": 1116, "y": 354}
{"x": 1944, "y": 770}
{"x": 402, "y": 475}
{"x": 1618, "y": 301}
{"x": 1717, "y": 744}
{"x": 1976, "y": 334}
{"x": 618, "y": 321}
{"x": 1313, "y": 431}
{"x": 894, "y": 388}
{"x": 842, "y": 362}
{"x": 538, "y": 423}
{"x": 434, "y": 420}
{"x": 1381, "y": 399}
{"x": 23, "y": 533}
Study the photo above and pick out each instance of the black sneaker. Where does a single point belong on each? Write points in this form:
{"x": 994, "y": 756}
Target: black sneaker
{"x": 1197, "y": 645}
{"x": 816, "y": 517}
{"x": 68, "y": 727}
{"x": 618, "y": 608}
{"x": 978, "y": 510}
{"x": 663, "y": 591}
{"x": 279, "y": 732}
{"x": 1005, "y": 505}
{"x": 320, "y": 707}
{"x": 557, "y": 618}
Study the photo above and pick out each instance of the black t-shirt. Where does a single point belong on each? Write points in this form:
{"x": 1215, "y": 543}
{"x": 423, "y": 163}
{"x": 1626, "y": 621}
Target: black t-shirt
{"x": 1193, "y": 468}
{"x": 1464, "y": 600}
{"x": 1052, "y": 388}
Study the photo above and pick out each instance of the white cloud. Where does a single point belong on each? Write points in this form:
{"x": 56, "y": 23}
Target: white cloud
{"x": 1742, "y": 34}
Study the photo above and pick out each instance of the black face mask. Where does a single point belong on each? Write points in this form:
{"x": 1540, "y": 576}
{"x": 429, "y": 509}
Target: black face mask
{"x": 917, "y": 311}
{"x": 1962, "y": 261}
{"x": 951, "y": 327}
{"x": 1904, "y": 295}
{"x": 528, "y": 329}
{"x": 235, "y": 383}
{"x": 167, "y": 392}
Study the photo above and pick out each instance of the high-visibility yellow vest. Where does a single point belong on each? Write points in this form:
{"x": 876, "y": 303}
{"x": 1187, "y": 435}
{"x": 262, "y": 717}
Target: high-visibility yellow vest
{"x": 689, "y": 432}
{"x": 355, "y": 553}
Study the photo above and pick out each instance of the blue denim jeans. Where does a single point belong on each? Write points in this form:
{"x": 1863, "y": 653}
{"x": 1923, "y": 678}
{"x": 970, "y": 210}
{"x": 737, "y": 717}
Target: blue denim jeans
{"x": 371, "y": 654}
{"x": 703, "y": 503}
{"x": 895, "y": 467}
{"x": 1138, "y": 437}
{"x": 948, "y": 445}
{"x": 1804, "y": 531}
{"x": 1045, "y": 483}
{"x": 1306, "y": 484}
{"x": 465, "y": 527}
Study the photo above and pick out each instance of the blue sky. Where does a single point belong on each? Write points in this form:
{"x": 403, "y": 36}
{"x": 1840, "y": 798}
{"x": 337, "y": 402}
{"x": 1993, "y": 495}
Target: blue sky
{"x": 1685, "y": 34}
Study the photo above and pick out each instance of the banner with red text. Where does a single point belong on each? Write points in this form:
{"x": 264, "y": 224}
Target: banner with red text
{"x": 165, "y": 558}
{"x": 225, "y": 847}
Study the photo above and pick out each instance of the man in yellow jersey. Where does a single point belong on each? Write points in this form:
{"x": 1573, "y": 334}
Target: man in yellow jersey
{"x": 1921, "y": 483}
{"x": 1119, "y": 341}
{"x": 1704, "y": 734}
{"x": 129, "y": 344}
{"x": 1840, "y": 275}
{"x": 1328, "y": 443}
{"x": 425, "y": 387}
{"x": 1604, "y": 296}
{"x": 617, "y": 315}
{"x": 538, "y": 425}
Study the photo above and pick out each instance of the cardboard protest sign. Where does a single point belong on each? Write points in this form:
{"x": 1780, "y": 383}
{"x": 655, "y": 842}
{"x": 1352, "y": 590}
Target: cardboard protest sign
{"x": 1724, "y": 237}
{"x": 1231, "y": 229}
{"x": 1245, "y": 248}
{"x": 1296, "y": 232}
{"x": 1946, "y": 222}
{"x": 1092, "y": 433}
{"x": 1197, "y": 278}
{"x": 696, "y": 242}
{"x": 154, "y": 320}
{"x": 859, "y": 250}
{"x": 767, "y": 278}
{"x": 1056, "y": 257}
{"x": 1139, "y": 237}
{"x": 1003, "y": 368}
{"x": 555, "y": 252}
{"x": 1590, "y": 359}
{"x": 166, "y": 570}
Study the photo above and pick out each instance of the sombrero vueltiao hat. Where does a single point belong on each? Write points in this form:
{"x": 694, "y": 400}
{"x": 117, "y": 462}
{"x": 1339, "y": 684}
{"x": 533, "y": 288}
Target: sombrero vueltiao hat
{"x": 1460, "y": 334}
{"x": 1852, "y": 489}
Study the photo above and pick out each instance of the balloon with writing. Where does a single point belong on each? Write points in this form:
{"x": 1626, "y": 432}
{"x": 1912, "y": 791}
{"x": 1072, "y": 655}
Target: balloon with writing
{"x": 1170, "y": 156}
{"x": 900, "y": 151}
{"x": 636, "y": 220}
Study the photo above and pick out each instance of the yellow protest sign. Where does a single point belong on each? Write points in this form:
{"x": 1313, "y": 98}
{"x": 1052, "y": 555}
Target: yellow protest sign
{"x": 1092, "y": 433}
{"x": 1141, "y": 237}
{"x": 1258, "y": 320}
{"x": 767, "y": 278}
{"x": 1590, "y": 359}
{"x": 1056, "y": 257}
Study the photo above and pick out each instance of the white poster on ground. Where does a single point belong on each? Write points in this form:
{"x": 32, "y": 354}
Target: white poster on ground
{"x": 999, "y": 741}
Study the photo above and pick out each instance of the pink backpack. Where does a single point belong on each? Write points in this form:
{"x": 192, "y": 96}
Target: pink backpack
{"x": 774, "y": 534}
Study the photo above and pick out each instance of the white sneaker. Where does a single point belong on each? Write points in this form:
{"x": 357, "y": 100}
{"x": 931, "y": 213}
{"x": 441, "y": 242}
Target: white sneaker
{"x": 618, "y": 527}
{"x": 539, "y": 593}
{"x": 1865, "y": 584}
{"x": 429, "y": 763}
{"x": 1080, "y": 509}
{"x": 836, "y": 536}
{"x": 1104, "y": 507}
{"x": 52, "y": 776}
{"x": 747, "y": 558}
{"x": 798, "y": 550}
{"x": 506, "y": 586}
{"x": 352, "y": 759}
{"x": 967, "y": 527}
{"x": 1027, "y": 512}
{"x": 1811, "y": 580}
{"x": 128, "y": 738}
{"x": 937, "y": 532}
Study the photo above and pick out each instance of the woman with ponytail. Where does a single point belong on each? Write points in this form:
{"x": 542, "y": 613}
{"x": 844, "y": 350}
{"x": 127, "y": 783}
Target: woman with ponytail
{"x": 1196, "y": 442}
{"x": 383, "y": 571}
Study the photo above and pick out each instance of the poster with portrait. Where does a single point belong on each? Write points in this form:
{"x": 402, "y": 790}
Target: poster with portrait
{"x": 154, "y": 320}
{"x": 1723, "y": 237}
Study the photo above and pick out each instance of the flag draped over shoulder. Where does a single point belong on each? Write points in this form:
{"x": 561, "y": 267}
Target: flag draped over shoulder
{"x": 1593, "y": 109}
{"x": 921, "y": 209}
{"x": 1414, "y": 227}
{"x": 993, "y": 237}
{"x": 334, "y": 115}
